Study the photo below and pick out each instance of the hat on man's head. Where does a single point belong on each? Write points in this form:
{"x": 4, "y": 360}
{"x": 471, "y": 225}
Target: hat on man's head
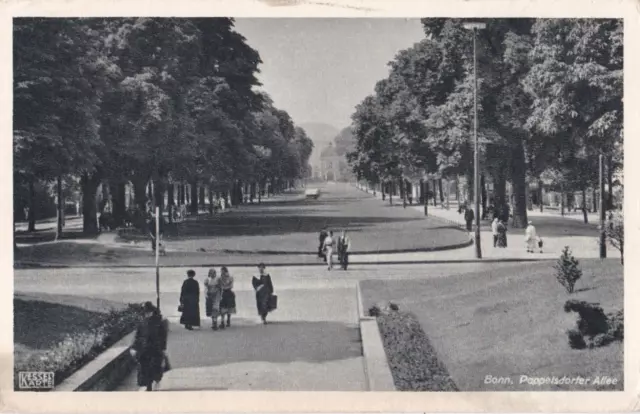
{"x": 261, "y": 266}
{"x": 148, "y": 307}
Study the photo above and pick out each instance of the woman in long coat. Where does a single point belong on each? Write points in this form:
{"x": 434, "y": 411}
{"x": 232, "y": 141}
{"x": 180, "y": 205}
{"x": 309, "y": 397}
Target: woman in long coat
{"x": 149, "y": 347}
{"x": 264, "y": 290}
{"x": 190, "y": 301}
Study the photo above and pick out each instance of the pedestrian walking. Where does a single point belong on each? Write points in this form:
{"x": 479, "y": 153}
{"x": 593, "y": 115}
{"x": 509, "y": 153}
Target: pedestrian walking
{"x": 468, "y": 218}
{"x": 213, "y": 291}
{"x": 323, "y": 235}
{"x": 263, "y": 285}
{"x": 344, "y": 248}
{"x": 502, "y": 234}
{"x": 149, "y": 346}
{"x": 228, "y": 301}
{"x": 328, "y": 249}
{"x": 531, "y": 238}
{"x": 190, "y": 302}
{"x": 494, "y": 231}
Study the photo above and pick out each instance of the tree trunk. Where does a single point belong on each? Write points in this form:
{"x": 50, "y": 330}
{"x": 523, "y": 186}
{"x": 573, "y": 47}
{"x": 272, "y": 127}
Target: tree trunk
{"x": 541, "y": 195}
{"x": 171, "y": 202}
{"x": 32, "y": 205}
{"x": 184, "y": 195}
{"x": 118, "y": 199}
{"x": 60, "y": 221}
{"x": 194, "y": 197}
{"x": 610, "y": 183}
{"x": 483, "y": 194}
{"x": 500, "y": 190}
{"x": 390, "y": 192}
{"x": 448, "y": 186}
{"x": 139, "y": 193}
{"x": 594, "y": 200}
{"x": 584, "y": 206}
{"x": 441, "y": 192}
{"x": 202, "y": 198}
{"x": 562, "y": 204}
{"x": 158, "y": 191}
{"x": 457, "y": 182}
{"x": 435, "y": 196}
{"x": 211, "y": 199}
{"x": 470, "y": 185}
{"x": 426, "y": 197}
{"x": 519, "y": 187}
{"x": 89, "y": 185}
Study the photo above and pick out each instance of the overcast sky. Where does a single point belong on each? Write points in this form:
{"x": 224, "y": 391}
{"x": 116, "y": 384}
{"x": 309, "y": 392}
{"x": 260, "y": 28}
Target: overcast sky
{"x": 319, "y": 69}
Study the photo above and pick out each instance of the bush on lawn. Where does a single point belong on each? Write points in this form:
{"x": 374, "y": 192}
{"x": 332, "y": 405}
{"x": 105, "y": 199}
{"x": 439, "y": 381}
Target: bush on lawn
{"x": 79, "y": 348}
{"x": 413, "y": 361}
{"x": 594, "y": 328}
{"x": 567, "y": 270}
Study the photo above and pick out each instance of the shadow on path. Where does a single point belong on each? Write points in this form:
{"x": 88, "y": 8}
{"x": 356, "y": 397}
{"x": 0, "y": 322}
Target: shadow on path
{"x": 276, "y": 342}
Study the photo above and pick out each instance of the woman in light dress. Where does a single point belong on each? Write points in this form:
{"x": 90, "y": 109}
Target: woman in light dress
{"x": 213, "y": 291}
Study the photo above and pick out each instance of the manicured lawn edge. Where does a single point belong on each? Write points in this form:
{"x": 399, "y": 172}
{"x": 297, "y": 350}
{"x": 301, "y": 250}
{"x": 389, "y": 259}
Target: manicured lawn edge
{"x": 410, "y": 358}
{"x": 376, "y": 369}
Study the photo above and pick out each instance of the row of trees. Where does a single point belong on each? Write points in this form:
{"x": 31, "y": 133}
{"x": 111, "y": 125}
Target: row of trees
{"x": 549, "y": 103}
{"x": 138, "y": 100}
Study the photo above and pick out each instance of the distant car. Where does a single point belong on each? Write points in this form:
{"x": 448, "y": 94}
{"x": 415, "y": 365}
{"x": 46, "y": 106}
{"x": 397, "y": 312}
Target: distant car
{"x": 312, "y": 193}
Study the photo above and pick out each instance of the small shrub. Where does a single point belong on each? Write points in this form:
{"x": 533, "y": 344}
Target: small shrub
{"x": 385, "y": 308}
{"x": 567, "y": 270}
{"x": 594, "y": 328}
{"x": 576, "y": 340}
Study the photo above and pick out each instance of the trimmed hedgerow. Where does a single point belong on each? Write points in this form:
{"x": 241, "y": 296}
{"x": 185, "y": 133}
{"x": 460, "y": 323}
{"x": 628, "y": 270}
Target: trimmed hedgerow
{"x": 80, "y": 348}
{"x": 413, "y": 361}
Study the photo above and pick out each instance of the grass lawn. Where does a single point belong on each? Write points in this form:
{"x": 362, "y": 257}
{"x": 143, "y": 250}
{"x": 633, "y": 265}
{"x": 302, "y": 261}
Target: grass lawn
{"x": 509, "y": 322}
{"x": 42, "y": 322}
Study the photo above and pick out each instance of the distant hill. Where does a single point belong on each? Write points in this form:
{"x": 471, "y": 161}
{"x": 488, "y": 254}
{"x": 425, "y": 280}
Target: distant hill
{"x": 321, "y": 134}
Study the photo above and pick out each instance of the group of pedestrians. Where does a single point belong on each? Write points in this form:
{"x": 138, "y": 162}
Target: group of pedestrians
{"x": 150, "y": 342}
{"x": 220, "y": 299}
{"x": 328, "y": 244}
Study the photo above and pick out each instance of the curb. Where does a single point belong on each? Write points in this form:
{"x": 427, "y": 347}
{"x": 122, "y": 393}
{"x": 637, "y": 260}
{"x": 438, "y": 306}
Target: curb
{"x": 105, "y": 372}
{"x": 36, "y": 265}
{"x": 369, "y": 252}
{"x": 376, "y": 367}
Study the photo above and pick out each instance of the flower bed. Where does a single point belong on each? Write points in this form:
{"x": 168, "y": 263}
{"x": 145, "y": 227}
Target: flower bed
{"x": 79, "y": 348}
{"x": 413, "y": 361}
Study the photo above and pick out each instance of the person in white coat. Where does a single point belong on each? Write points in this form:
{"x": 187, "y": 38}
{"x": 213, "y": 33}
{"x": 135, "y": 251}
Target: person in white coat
{"x": 328, "y": 245}
{"x": 530, "y": 238}
{"x": 494, "y": 231}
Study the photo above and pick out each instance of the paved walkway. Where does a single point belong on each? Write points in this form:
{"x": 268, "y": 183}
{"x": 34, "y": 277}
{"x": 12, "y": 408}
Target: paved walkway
{"x": 555, "y": 230}
{"x": 311, "y": 344}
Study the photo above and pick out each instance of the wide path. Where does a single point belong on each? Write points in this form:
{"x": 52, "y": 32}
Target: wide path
{"x": 284, "y": 230}
{"x": 556, "y": 232}
{"x": 313, "y": 343}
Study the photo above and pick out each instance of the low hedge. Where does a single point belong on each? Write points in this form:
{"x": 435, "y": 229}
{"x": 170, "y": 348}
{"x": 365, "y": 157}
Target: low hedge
{"x": 413, "y": 362}
{"x": 80, "y": 348}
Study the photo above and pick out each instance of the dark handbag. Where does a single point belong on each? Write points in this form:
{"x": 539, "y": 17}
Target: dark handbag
{"x": 181, "y": 308}
{"x": 273, "y": 302}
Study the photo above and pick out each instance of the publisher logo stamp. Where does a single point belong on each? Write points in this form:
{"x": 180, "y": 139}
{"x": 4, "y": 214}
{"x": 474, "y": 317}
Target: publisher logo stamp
{"x": 36, "y": 380}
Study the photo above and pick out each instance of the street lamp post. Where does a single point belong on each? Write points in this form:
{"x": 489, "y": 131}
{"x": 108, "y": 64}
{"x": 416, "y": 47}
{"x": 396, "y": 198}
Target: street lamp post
{"x": 475, "y": 26}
